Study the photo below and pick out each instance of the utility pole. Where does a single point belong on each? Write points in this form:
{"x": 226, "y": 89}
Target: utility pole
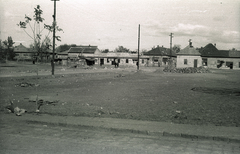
{"x": 171, "y": 36}
{"x": 54, "y": 31}
{"x": 138, "y": 46}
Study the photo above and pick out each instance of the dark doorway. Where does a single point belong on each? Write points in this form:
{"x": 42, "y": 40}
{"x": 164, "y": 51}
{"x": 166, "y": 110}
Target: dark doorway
{"x": 195, "y": 62}
{"x": 101, "y": 62}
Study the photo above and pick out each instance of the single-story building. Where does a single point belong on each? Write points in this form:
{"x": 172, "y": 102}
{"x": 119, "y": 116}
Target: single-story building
{"x": 23, "y": 53}
{"x": 223, "y": 59}
{"x": 188, "y": 57}
{"x": 159, "y": 56}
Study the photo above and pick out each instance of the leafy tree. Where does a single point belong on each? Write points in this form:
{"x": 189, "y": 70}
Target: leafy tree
{"x": 39, "y": 45}
{"x": 176, "y": 48}
{"x": 105, "y": 51}
{"x": 65, "y": 47}
{"x": 8, "y": 44}
{"x": 121, "y": 49}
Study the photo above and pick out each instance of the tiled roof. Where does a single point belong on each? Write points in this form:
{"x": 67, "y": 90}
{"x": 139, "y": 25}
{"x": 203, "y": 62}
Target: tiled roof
{"x": 211, "y": 51}
{"x": 160, "y": 51}
{"x": 234, "y": 54}
{"x": 189, "y": 51}
{"x": 21, "y": 48}
{"x": 83, "y": 49}
{"x": 64, "y": 52}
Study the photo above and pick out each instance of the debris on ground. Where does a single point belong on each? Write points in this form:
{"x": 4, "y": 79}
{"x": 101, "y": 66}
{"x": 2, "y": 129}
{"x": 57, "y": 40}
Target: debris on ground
{"x": 41, "y": 102}
{"x": 178, "y": 112}
{"x": 10, "y": 107}
{"x": 119, "y": 76}
{"x": 26, "y": 84}
{"x": 19, "y": 111}
{"x": 187, "y": 70}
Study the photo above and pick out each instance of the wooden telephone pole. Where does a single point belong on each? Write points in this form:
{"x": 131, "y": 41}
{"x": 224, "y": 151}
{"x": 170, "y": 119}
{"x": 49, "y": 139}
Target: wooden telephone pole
{"x": 171, "y": 36}
{"x": 54, "y": 31}
{"x": 138, "y": 46}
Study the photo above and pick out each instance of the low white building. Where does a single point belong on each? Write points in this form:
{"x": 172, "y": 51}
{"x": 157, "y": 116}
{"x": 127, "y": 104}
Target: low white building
{"x": 189, "y": 57}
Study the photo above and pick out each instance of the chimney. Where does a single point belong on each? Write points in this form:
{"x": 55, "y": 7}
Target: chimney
{"x": 190, "y": 43}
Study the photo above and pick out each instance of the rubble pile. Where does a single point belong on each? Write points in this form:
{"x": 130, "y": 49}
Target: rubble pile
{"x": 187, "y": 70}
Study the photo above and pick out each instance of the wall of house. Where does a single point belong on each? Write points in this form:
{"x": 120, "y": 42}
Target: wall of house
{"x": 23, "y": 56}
{"x": 190, "y": 61}
{"x": 215, "y": 63}
{"x": 157, "y": 61}
{"x": 123, "y": 61}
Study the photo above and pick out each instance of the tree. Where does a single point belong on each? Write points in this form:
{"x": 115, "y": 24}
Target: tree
{"x": 37, "y": 31}
{"x": 8, "y": 44}
{"x": 105, "y": 51}
{"x": 176, "y": 48}
{"x": 121, "y": 49}
{"x": 65, "y": 47}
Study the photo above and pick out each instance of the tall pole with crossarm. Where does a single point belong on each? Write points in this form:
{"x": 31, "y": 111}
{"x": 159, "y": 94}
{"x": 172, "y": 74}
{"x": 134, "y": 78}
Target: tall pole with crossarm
{"x": 54, "y": 31}
{"x": 138, "y": 46}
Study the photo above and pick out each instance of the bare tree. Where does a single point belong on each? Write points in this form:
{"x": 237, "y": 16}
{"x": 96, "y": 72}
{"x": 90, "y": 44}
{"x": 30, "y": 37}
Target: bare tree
{"x": 37, "y": 31}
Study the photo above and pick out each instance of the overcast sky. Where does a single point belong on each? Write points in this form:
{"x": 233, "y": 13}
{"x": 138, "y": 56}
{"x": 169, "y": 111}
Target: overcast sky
{"x": 112, "y": 23}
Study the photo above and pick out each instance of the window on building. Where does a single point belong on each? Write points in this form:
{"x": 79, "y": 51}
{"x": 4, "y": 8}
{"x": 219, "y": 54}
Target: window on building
{"x": 108, "y": 60}
{"x": 126, "y": 60}
{"x": 204, "y": 61}
{"x": 142, "y": 61}
{"x": 185, "y": 61}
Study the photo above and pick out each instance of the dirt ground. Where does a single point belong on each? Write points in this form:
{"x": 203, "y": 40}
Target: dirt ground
{"x": 149, "y": 94}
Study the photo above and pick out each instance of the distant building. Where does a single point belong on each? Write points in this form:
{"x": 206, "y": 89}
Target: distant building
{"x": 224, "y": 59}
{"x": 188, "y": 57}
{"x": 23, "y": 53}
{"x": 159, "y": 56}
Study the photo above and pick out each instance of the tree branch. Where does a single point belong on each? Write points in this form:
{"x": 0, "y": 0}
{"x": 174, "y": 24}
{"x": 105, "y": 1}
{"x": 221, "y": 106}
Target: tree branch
{"x": 27, "y": 33}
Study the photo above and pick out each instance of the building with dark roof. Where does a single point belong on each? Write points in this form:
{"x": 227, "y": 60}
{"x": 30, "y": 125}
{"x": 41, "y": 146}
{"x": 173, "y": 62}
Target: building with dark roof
{"x": 23, "y": 53}
{"x": 82, "y": 51}
{"x": 159, "y": 56}
{"x": 188, "y": 57}
{"x": 224, "y": 59}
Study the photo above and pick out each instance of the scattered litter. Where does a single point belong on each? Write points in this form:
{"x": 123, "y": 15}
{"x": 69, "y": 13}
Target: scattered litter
{"x": 19, "y": 111}
{"x": 41, "y": 102}
{"x": 10, "y": 107}
{"x": 179, "y": 112}
{"x": 119, "y": 76}
{"x": 26, "y": 84}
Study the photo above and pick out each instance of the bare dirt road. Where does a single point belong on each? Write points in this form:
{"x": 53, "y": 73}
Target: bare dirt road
{"x": 28, "y": 138}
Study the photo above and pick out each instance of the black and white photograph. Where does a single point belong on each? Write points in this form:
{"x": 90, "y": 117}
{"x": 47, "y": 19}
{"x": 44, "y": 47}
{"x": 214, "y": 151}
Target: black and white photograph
{"x": 119, "y": 76}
